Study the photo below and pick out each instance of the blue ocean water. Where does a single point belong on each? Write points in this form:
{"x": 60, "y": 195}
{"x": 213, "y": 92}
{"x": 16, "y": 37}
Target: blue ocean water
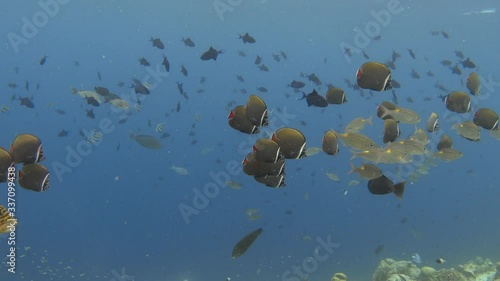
{"x": 115, "y": 211}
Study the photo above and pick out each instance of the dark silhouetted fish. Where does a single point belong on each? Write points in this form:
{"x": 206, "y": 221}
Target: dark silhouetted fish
{"x": 92, "y": 101}
{"x": 258, "y": 60}
{"x": 184, "y": 70}
{"x": 412, "y": 54}
{"x": 144, "y": 62}
{"x": 188, "y": 42}
{"x": 247, "y": 38}
{"x": 211, "y": 54}
{"x": 43, "y": 60}
{"x": 296, "y": 84}
{"x": 315, "y": 99}
{"x": 383, "y": 185}
{"x": 467, "y": 63}
{"x": 242, "y": 246}
{"x": 27, "y": 102}
{"x": 166, "y": 63}
{"x": 157, "y": 43}
{"x": 90, "y": 113}
{"x": 63, "y": 133}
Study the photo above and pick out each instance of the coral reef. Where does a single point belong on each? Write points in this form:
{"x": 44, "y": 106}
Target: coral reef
{"x": 389, "y": 267}
{"x": 339, "y": 277}
{"x": 478, "y": 269}
{"x": 426, "y": 272}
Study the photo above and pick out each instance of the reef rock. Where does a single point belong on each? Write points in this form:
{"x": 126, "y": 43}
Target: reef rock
{"x": 389, "y": 267}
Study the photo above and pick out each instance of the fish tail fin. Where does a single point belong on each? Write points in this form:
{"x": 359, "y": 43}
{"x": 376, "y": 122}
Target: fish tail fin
{"x": 384, "y": 111}
{"x": 73, "y": 90}
{"x": 353, "y": 168}
{"x": 399, "y": 189}
{"x": 354, "y": 156}
{"x": 370, "y": 120}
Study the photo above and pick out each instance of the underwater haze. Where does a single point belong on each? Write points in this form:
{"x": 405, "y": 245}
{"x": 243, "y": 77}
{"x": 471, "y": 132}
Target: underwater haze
{"x": 154, "y": 189}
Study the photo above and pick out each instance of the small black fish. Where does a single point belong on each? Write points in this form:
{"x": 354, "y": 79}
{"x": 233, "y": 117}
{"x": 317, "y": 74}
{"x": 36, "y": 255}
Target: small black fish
{"x": 412, "y": 54}
{"x": 258, "y": 60}
{"x": 63, "y": 133}
{"x": 157, "y": 43}
{"x": 247, "y": 38}
{"x": 459, "y": 54}
{"x": 263, "y": 67}
{"x": 99, "y": 76}
{"x": 139, "y": 88}
{"x": 27, "y": 102}
{"x": 276, "y": 57}
{"x": 366, "y": 56}
{"x": 283, "y": 55}
{"x": 211, "y": 54}
{"x": 178, "y": 108}
{"x": 188, "y": 42}
{"x": 313, "y": 78}
{"x": 414, "y": 74}
{"x": 184, "y": 70}
{"x": 90, "y": 113}
{"x": 180, "y": 87}
{"x": 395, "y": 84}
{"x": 166, "y": 63}
{"x": 467, "y": 63}
{"x": 60, "y": 111}
{"x": 315, "y": 99}
{"x": 395, "y": 55}
{"x": 144, "y": 62}
{"x": 445, "y": 34}
{"x": 296, "y": 84}
{"x": 27, "y": 86}
{"x": 103, "y": 91}
{"x": 456, "y": 70}
{"x": 262, "y": 89}
{"x": 348, "y": 52}
{"x": 43, "y": 60}
{"x": 92, "y": 101}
